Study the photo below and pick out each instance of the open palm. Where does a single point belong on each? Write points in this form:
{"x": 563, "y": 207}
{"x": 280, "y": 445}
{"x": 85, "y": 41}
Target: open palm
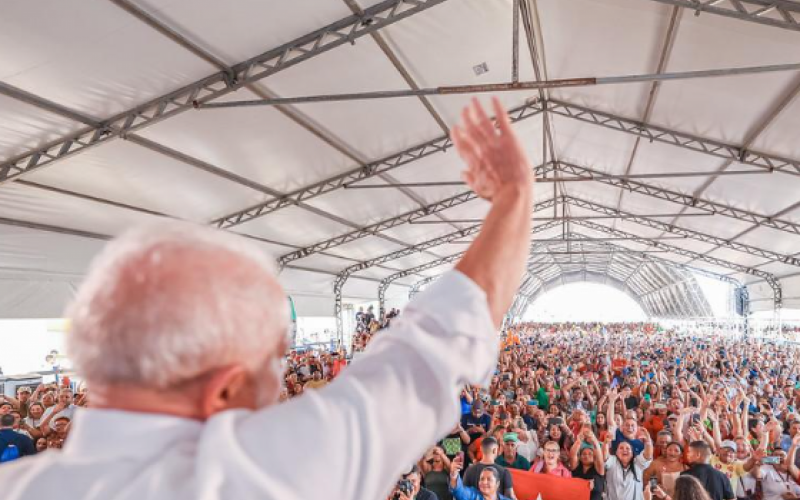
{"x": 494, "y": 156}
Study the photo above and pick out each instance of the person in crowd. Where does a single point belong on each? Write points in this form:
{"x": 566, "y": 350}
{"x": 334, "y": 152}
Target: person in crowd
{"x": 316, "y": 381}
{"x": 412, "y": 478}
{"x": 435, "y": 467}
{"x": 779, "y": 476}
{"x": 716, "y": 484}
{"x": 510, "y": 458}
{"x": 586, "y": 462}
{"x": 686, "y": 488}
{"x": 490, "y": 451}
{"x": 476, "y": 418}
{"x": 65, "y": 407}
{"x": 551, "y": 463}
{"x": 488, "y": 488}
{"x": 57, "y": 435}
{"x": 625, "y": 469}
{"x": 667, "y": 468}
{"x": 13, "y": 445}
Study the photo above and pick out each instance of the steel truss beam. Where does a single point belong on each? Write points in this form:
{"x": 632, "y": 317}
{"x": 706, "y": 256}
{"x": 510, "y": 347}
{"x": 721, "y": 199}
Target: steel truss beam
{"x": 439, "y": 145}
{"x": 675, "y": 138}
{"x": 383, "y": 225}
{"x": 777, "y": 13}
{"x": 768, "y": 277}
{"x": 416, "y": 287}
{"x": 386, "y": 282}
{"x": 688, "y": 233}
{"x": 687, "y": 200}
{"x": 419, "y": 247}
{"x": 344, "y": 31}
{"x": 523, "y": 297}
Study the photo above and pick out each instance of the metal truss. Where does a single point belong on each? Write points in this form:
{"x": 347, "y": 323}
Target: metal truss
{"x": 689, "y": 233}
{"x": 383, "y": 225}
{"x": 653, "y": 133}
{"x": 777, "y": 13}
{"x": 683, "y": 199}
{"x": 343, "y": 276}
{"x": 346, "y": 30}
{"x": 439, "y": 145}
{"x": 416, "y": 287}
{"x": 768, "y": 277}
{"x": 386, "y": 282}
{"x": 384, "y": 285}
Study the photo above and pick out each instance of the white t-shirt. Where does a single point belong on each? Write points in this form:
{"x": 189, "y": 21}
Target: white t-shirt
{"x": 68, "y": 412}
{"x": 622, "y": 484}
{"x": 775, "y": 484}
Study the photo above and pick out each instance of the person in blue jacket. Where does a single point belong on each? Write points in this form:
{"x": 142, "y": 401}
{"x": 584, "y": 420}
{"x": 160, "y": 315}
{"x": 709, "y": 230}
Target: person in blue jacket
{"x": 488, "y": 484}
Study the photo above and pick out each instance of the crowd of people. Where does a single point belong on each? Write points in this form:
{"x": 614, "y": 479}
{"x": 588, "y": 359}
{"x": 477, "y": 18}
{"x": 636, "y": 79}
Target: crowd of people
{"x": 37, "y": 420}
{"x": 638, "y": 411}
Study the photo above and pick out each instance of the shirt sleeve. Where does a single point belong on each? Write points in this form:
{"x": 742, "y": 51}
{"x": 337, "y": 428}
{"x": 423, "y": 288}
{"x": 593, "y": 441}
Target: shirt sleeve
{"x": 461, "y": 492}
{"x": 379, "y": 415}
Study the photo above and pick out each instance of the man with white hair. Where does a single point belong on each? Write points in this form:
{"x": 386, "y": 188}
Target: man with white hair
{"x": 181, "y": 331}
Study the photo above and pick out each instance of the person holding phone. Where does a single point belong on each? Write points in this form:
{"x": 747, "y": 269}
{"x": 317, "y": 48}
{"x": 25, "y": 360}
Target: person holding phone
{"x": 779, "y": 475}
{"x": 489, "y": 483}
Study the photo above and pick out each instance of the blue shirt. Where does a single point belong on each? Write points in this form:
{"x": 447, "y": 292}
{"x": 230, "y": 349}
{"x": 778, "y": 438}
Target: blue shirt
{"x": 469, "y": 420}
{"x": 461, "y": 492}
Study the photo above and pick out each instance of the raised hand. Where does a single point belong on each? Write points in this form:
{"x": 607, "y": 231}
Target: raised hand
{"x": 494, "y": 156}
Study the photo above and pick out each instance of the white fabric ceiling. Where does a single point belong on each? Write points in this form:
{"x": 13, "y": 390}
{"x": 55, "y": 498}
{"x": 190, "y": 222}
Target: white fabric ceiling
{"x": 96, "y": 59}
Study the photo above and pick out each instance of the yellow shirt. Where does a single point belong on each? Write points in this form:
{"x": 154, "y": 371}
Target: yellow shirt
{"x": 734, "y": 470}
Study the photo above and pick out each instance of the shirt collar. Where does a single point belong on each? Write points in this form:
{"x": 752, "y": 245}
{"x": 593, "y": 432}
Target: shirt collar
{"x": 97, "y": 432}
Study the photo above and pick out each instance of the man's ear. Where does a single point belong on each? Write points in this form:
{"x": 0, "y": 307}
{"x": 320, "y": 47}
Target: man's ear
{"x": 227, "y": 387}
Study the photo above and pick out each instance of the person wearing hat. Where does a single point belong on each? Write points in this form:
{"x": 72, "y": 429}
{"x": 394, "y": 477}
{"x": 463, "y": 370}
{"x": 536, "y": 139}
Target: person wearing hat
{"x": 510, "y": 458}
{"x": 57, "y": 436}
{"x": 724, "y": 460}
{"x": 477, "y": 418}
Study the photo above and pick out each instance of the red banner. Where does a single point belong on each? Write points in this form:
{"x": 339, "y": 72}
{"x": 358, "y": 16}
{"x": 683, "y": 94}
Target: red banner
{"x": 529, "y": 485}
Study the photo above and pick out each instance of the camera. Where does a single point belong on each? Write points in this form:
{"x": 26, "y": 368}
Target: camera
{"x": 403, "y": 486}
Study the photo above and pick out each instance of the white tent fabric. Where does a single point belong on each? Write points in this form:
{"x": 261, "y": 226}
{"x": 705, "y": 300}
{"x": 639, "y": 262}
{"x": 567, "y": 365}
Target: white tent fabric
{"x": 99, "y": 71}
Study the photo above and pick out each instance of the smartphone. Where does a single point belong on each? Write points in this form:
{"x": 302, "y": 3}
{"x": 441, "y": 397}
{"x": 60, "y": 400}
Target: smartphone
{"x": 771, "y": 460}
{"x": 653, "y": 483}
{"x": 460, "y": 456}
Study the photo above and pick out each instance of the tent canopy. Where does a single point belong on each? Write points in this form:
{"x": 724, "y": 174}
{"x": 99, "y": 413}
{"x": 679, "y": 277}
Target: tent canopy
{"x": 101, "y": 108}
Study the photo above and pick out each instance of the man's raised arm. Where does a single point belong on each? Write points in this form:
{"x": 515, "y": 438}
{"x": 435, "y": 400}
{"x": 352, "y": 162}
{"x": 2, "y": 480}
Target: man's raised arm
{"x": 378, "y": 417}
{"x": 498, "y": 171}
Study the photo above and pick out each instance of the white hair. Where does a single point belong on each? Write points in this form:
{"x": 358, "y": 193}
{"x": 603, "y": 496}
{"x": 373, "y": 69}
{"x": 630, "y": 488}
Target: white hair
{"x": 163, "y": 304}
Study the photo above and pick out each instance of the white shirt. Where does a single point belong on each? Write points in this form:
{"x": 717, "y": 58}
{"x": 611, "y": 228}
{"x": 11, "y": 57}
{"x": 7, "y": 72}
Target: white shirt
{"x": 349, "y": 440}
{"x": 625, "y": 485}
{"x": 68, "y": 412}
{"x": 775, "y": 484}
{"x": 528, "y": 449}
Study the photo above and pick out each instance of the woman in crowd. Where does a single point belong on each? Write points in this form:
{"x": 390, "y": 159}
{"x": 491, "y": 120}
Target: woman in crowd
{"x": 586, "y": 462}
{"x": 686, "y": 488}
{"x": 625, "y": 471}
{"x": 435, "y": 467}
{"x": 551, "y": 463}
{"x": 667, "y": 468}
{"x": 488, "y": 484}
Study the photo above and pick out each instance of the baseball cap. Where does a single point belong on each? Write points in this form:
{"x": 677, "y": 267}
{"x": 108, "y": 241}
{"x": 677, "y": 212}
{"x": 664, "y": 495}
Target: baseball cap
{"x": 510, "y": 436}
{"x": 729, "y": 444}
